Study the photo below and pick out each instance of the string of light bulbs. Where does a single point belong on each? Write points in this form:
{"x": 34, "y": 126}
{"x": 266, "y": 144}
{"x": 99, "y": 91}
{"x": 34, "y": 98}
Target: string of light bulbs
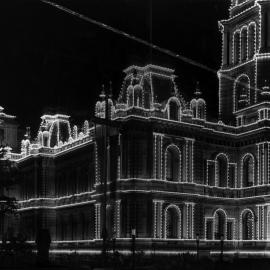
{"x": 129, "y": 36}
{"x": 139, "y": 40}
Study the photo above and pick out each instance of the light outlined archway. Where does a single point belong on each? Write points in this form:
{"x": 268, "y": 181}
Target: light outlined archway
{"x": 172, "y": 225}
{"x": 173, "y": 163}
{"x": 220, "y": 224}
{"x": 241, "y": 92}
{"x": 247, "y": 225}
{"x": 221, "y": 170}
{"x": 243, "y": 43}
{"x": 247, "y": 170}
{"x": 173, "y": 109}
{"x": 252, "y": 39}
{"x": 236, "y": 47}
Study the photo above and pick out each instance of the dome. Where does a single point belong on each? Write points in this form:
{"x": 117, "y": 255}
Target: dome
{"x": 201, "y": 101}
{"x": 138, "y": 88}
{"x": 130, "y": 89}
{"x": 54, "y": 128}
{"x": 193, "y": 102}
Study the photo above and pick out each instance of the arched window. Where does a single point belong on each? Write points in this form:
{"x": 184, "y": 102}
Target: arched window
{"x": 173, "y": 163}
{"x": 130, "y": 96}
{"x": 46, "y": 135}
{"x": 193, "y": 107}
{"x": 221, "y": 171}
{"x": 147, "y": 98}
{"x": 248, "y": 171}
{"x": 219, "y": 224}
{"x": 247, "y": 220}
{"x": 173, "y": 110}
{"x": 236, "y": 47}
{"x": 252, "y": 40}
{"x": 241, "y": 92}
{"x": 138, "y": 96}
{"x": 244, "y": 42}
{"x": 201, "y": 109}
{"x": 172, "y": 222}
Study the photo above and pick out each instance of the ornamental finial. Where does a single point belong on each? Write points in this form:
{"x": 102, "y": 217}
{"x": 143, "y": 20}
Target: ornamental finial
{"x": 197, "y": 90}
{"x": 110, "y": 89}
{"x": 102, "y": 94}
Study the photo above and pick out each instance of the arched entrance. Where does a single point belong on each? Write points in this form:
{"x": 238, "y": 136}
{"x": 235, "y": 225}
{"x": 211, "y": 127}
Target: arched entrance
{"x": 248, "y": 171}
{"x": 173, "y": 161}
{"x": 219, "y": 224}
{"x": 221, "y": 170}
{"x": 172, "y": 222}
{"x": 247, "y": 225}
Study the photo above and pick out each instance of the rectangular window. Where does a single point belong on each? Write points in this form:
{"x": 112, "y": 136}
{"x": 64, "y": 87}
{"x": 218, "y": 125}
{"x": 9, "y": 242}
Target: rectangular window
{"x": 211, "y": 172}
{"x": 229, "y": 230}
{"x": 209, "y": 228}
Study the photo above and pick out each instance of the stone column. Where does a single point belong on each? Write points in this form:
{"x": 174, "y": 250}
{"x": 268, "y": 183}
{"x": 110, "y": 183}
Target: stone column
{"x": 188, "y": 160}
{"x": 97, "y": 221}
{"x": 158, "y": 156}
{"x": 188, "y": 220}
{"x": 158, "y": 219}
{"x": 117, "y": 218}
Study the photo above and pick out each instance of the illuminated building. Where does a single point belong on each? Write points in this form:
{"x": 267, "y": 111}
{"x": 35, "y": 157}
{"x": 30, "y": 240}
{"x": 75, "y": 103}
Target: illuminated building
{"x": 8, "y": 130}
{"x": 172, "y": 175}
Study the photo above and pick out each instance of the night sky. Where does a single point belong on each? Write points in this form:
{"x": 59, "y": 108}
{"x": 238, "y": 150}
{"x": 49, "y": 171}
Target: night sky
{"x": 53, "y": 61}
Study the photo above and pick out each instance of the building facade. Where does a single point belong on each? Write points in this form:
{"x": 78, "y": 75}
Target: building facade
{"x": 8, "y": 130}
{"x": 172, "y": 175}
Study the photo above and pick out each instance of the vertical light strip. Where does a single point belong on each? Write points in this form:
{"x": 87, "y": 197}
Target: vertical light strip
{"x": 155, "y": 219}
{"x": 118, "y": 218}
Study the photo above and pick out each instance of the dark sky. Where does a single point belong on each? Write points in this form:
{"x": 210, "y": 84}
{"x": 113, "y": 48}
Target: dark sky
{"x": 50, "y": 59}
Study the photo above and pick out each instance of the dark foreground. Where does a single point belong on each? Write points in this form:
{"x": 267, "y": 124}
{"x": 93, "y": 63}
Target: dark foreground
{"x": 140, "y": 261}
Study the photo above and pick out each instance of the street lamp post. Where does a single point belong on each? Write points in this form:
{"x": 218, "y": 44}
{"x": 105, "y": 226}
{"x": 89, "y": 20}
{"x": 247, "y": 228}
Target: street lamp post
{"x": 221, "y": 247}
{"x": 113, "y": 242}
{"x": 197, "y": 245}
{"x": 113, "y": 249}
{"x": 133, "y": 234}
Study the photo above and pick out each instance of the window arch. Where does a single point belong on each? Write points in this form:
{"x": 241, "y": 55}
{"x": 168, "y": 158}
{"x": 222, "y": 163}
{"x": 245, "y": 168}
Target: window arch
{"x": 130, "y": 96}
{"x": 173, "y": 163}
{"x": 174, "y": 109}
{"x": 138, "y": 96}
{"x": 247, "y": 225}
{"x": 193, "y": 105}
{"x": 221, "y": 170}
{"x": 244, "y": 43}
{"x": 241, "y": 92}
{"x": 201, "y": 109}
{"x": 236, "y": 47}
{"x": 172, "y": 224}
{"x": 252, "y": 39}
{"x": 248, "y": 170}
{"x": 220, "y": 224}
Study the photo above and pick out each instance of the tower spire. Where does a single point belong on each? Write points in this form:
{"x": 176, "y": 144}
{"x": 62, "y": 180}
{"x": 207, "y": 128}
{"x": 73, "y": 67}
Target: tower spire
{"x": 110, "y": 89}
{"x": 102, "y": 94}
